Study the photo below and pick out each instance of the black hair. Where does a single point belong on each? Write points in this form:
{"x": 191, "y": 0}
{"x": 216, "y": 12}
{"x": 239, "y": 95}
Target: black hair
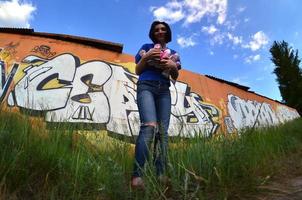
{"x": 152, "y": 29}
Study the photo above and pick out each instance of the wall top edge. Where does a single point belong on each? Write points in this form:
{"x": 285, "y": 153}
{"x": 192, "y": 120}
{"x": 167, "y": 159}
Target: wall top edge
{"x": 101, "y": 44}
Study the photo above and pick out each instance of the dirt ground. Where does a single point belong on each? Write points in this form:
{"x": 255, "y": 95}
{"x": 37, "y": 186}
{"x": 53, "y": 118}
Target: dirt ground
{"x": 287, "y": 184}
{"x": 290, "y": 189}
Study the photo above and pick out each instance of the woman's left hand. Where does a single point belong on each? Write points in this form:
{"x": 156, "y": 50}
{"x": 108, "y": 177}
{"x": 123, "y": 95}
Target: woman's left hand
{"x": 167, "y": 63}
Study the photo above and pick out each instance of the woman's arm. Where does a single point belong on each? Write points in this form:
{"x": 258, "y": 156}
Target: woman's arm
{"x": 174, "y": 72}
{"x": 142, "y": 64}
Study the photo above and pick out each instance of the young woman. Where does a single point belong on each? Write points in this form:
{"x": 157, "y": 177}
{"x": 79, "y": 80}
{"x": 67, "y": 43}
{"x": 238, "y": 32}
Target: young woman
{"x": 155, "y": 63}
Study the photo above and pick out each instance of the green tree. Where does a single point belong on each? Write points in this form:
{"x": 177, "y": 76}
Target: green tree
{"x": 289, "y": 74}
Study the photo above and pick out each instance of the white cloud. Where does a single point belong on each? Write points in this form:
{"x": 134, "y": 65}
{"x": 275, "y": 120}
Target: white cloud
{"x": 15, "y": 13}
{"x": 236, "y": 80}
{"x": 241, "y": 9}
{"x": 259, "y": 40}
{"x": 231, "y": 25}
{"x": 221, "y": 32}
{"x": 234, "y": 39}
{"x": 296, "y": 33}
{"x": 256, "y": 57}
{"x": 222, "y": 37}
{"x": 222, "y": 10}
{"x": 185, "y": 42}
{"x": 209, "y": 29}
{"x": 252, "y": 58}
{"x": 211, "y": 53}
{"x": 218, "y": 38}
{"x": 191, "y": 11}
{"x": 260, "y": 78}
{"x": 240, "y": 80}
{"x": 246, "y": 20}
{"x": 235, "y": 56}
{"x": 170, "y": 13}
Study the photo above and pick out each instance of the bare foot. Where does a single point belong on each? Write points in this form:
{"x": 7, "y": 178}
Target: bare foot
{"x": 137, "y": 183}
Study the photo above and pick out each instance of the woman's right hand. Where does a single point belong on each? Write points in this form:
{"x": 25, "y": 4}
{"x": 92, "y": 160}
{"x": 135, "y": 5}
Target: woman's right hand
{"x": 152, "y": 54}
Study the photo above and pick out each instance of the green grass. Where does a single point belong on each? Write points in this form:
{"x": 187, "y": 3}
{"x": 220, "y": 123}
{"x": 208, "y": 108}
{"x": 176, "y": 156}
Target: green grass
{"x": 36, "y": 163}
{"x": 228, "y": 167}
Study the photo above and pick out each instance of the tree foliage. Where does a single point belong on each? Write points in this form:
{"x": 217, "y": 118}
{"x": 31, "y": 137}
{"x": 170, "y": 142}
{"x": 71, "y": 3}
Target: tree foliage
{"x": 289, "y": 74}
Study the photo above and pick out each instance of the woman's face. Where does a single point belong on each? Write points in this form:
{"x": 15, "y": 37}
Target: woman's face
{"x": 160, "y": 32}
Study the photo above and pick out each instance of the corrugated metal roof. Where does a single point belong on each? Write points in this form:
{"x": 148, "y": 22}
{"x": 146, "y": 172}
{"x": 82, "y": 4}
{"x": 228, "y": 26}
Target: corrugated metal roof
{"x": 242, "y": 87}
{"x": 101, "y": 44}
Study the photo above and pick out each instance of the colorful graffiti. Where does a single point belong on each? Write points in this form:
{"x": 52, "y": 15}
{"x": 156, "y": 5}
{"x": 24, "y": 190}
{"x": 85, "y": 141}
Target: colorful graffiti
{"x": 68, "y": 90}
{"x": 6, "y": 81}
{"x": 44, "y": 50}
{"x": 64, "y": 88}
{"x": 284, "y": 114}
{"x": 247, "y": 113}
{"x": 9, "y": 50}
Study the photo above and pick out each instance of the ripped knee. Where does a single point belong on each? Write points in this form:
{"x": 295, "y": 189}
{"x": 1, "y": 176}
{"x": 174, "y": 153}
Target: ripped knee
{"x": 153, "y": 124}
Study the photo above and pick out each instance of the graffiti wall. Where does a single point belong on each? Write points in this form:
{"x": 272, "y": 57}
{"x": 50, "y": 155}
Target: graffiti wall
{"x": 249, "y": 113}
{"x": 77, "y": 83}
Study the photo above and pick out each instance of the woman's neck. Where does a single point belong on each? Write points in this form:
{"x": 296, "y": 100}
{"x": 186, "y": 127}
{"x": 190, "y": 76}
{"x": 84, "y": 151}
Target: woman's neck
{"x": 163, "y": 46}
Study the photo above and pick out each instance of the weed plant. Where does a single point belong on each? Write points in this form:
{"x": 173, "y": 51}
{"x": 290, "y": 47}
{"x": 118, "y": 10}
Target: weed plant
{"x": 61, "y": 163}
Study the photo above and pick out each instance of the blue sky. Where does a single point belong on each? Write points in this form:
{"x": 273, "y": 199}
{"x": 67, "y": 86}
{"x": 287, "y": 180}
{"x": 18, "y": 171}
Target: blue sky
{"x": 228, "y": 39}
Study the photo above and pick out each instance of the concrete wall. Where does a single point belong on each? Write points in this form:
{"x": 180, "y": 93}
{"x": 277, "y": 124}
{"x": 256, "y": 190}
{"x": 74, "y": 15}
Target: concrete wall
{"x": 72, "y": 82}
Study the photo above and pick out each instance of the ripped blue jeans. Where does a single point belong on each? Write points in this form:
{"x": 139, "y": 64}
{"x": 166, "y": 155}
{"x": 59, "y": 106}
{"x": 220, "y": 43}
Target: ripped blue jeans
{"x": 154, "y": 105}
